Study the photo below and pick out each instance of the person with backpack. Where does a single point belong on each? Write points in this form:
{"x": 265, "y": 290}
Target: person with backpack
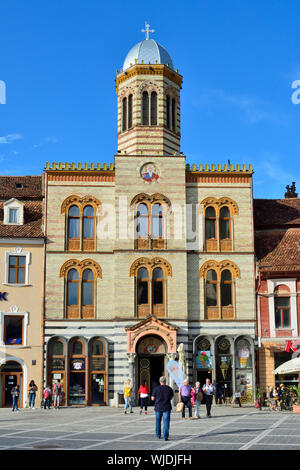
{"x": 32, "y": 389}
{"x": 57, "y": 394}
{"x": 47, "y": 397}
{"x": 15, "y": 397}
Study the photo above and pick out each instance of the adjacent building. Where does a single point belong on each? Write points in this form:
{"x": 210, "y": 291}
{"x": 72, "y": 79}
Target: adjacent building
{"x": 21, "y": 286}
{"x": 277, "y": 246}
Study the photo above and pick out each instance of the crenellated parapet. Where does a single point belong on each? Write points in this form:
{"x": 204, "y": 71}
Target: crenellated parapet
{"x": 217, "y": 173}
{"x": 58, "y": 166}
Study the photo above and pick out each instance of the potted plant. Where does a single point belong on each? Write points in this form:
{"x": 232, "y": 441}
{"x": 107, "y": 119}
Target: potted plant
{"x": 296, "y": 406}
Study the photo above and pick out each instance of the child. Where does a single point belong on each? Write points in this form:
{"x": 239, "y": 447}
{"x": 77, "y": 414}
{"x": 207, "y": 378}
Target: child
{"x": 47, "y": 397}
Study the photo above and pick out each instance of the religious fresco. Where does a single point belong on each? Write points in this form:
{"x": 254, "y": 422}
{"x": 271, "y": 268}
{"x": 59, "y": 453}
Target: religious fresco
{"x": 149, "y": 172}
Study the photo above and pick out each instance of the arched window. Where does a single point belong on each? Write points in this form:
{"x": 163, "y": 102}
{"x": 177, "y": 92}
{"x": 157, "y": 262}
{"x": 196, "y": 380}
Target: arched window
{"x": 153, "y": 108}
{"x": 73, "y": 289}
{"x": 74, "y": 228}
{"x": 211, "y": 242}
{"x": 124, "y": 114}
{"x": 87, "y": 288}
{"x": 157, "y": 221}
{"x": 145, "y": 109}
{"x": 219, "y": 223}
{"x": 77, "y": 348}
{"x": 143, "y": 297}
{"x": 142, "y": 225}
{"x": 150, "y": 226}
{"x": 88, "y": 232}
{"x": 211, "y": 289}
{"x": 226, "y": 288}
{"x": 173, "y": 115}
{"x": 57, "y": 348}
{"x": 158, "y": 292}
{"x": 130, "y": 100}
{"x": 77, "y": 375}
{"x": 168, "y": 114}
{"x": 224, "y": 222}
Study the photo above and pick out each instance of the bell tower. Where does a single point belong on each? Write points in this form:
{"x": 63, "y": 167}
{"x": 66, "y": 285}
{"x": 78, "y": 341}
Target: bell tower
{"x": 148, "y": 90}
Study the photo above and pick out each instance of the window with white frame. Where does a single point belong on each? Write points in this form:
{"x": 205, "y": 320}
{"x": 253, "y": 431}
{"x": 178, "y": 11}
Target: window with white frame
{"x": 282, "y": 299}
{"x": 13, "y": 212}
{"x": 17, "y": 267}
{"x": 13, "y": 328}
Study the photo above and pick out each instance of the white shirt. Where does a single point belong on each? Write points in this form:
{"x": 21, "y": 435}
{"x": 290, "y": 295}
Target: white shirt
{"x": 208, "y": 389}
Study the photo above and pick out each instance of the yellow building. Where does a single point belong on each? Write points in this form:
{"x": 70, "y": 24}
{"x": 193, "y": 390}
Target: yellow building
{"x": 21, "y": 286}
{"x": 147, "y": 254}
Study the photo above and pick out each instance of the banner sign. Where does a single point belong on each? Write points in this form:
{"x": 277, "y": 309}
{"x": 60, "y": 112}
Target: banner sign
{"x": 204, "y": 360}
{"x": 175, "y": 371}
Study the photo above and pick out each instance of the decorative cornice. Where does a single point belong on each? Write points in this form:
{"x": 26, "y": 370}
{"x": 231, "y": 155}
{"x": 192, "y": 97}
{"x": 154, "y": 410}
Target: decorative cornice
{"x": 221, "y": 202}
{"x": 148, "y": 69}
{"x": 80, "y": 200}
{"x": 153, "y": 198}
{"x": 219, "y": 267}
{"x": 80, "y": 266}
{"x": 151, "y": 263}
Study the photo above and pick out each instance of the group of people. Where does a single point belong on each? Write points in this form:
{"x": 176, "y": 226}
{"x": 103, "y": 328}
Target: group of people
{"x": 162, "y": 396}
{"x": 279, "y": 398}
{"x": 56, "y": 392}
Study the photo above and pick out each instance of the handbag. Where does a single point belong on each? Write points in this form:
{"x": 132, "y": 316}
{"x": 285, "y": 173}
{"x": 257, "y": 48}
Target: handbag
{"x": 199, "y": 396}
{"x": 179, "y": 407}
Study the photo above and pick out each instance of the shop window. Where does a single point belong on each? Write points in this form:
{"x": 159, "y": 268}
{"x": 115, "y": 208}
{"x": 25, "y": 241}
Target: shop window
{"x": 97, "y": 373}
{"x": 224, "y": 365}
{"x": 77, "y": 380}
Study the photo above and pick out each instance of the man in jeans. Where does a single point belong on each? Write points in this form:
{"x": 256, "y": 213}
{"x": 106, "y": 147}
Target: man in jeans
{"x": 185, "y": 397}
{"x": 162, "y": 394}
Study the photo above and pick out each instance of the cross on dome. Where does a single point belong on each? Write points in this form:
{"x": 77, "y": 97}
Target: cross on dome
{"x": 147, "y": 30}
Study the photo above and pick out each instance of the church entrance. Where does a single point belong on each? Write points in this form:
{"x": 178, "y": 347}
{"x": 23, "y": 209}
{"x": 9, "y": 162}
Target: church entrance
{"x": 151, "y": 362}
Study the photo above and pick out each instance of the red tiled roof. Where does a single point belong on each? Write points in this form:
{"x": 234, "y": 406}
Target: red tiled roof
{"x": 276, "y": 212}
{"x": 32, "y": 227}
{"x": 278, "y": 250}
{"x": 32, "y": 187}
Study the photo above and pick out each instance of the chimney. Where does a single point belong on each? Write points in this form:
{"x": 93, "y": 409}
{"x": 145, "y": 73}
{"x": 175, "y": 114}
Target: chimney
{"x": 291, "y": 191}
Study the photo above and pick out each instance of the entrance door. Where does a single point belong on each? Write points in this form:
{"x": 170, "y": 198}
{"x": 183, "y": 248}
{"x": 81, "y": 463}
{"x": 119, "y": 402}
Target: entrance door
{"x": 202, "y": 375}
{"x": 97, "y": 389}
{"x": 151, "y": 368}
{"x": 9, "y": 381}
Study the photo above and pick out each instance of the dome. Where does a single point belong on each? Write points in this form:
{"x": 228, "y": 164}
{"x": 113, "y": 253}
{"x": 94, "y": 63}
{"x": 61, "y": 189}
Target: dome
{"x": 150, "y": 52}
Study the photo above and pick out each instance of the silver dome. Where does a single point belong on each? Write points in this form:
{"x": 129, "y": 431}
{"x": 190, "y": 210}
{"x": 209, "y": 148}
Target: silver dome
{"x": 150, "y": 52}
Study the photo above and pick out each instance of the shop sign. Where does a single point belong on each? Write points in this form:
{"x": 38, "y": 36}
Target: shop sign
{"x": 243, "y": 355}
{"x": 224, "y": 365}
{"x": 292, "y": 346}
{"x": 98, "y": 363}
{"x": 204, "y": 360}
{"x": 58, "y": 363}
{"x": 3, "y": 296}
{"x": 77, "y": 364}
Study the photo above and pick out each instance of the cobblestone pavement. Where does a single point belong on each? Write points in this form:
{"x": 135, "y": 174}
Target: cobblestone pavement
{"x": 103, "y": 428}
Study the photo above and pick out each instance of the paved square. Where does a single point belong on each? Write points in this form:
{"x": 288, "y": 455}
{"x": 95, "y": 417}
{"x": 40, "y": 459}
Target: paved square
{"x": 103, "y": 428}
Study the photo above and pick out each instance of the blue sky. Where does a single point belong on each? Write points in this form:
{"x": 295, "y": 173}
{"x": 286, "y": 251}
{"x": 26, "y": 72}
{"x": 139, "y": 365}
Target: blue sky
{"x": 238, "y": 59}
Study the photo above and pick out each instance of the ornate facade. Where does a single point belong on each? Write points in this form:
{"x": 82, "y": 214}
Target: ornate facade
{"x": 148, "y": 253}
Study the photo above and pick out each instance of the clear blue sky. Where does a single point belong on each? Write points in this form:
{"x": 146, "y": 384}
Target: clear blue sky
{"x": 238, "y": 59}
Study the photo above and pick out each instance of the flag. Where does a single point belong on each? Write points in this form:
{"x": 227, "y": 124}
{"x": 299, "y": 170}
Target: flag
{"x": 175, "y": 372}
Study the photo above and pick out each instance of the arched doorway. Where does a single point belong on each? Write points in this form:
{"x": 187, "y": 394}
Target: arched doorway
{"x": 11, "y": 375}
{"x": 151, "y": 351}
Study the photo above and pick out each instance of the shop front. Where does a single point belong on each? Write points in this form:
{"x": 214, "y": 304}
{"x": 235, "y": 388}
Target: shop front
{"x": 228, "y": 362}
{"x": 81, "y": 366}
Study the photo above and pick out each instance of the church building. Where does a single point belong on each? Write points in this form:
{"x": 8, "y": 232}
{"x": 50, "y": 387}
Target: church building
{"x": 146, "y": 254}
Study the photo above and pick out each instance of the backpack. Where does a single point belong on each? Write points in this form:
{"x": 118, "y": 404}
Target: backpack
{"x": 57, "y": 389}
{"x": 46, "y": 394}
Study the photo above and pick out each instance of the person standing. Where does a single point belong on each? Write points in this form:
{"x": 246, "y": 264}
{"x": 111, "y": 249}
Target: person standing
{"x": 185, "y": 397}
{"x": 237, "y": 397}
{"x": 127, "y": 396}
{"x": 143, "y": 394}
{"x": 57, "y": 394}
{"x": 15, "y": 397}
{"x": 208, "y": 390}
{"x": 162, "y": 396}
{"x": 47, "y": 397}
{"x": 32, "y": 389}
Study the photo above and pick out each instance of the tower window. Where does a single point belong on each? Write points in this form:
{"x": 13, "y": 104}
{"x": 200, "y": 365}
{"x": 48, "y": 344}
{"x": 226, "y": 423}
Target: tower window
{"x": 153, "y": 108}
{"x": 124, "y": 114}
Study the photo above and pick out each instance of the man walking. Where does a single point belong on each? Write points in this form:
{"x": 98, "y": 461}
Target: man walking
{"x": 185, "y": 397}
{"x": 162, "y": 394}
{"x": 208, "y": 390}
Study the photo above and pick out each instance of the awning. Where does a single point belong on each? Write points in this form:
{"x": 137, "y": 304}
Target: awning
{"x": 289, "y": 367}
